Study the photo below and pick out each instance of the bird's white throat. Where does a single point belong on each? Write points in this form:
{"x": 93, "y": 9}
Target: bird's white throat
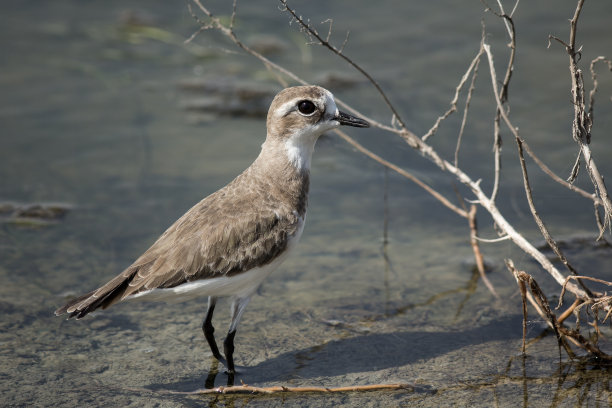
{"x": 299, "y": 150}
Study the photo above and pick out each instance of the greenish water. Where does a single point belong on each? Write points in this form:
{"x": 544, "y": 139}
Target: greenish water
{"x": 93, "y": 120}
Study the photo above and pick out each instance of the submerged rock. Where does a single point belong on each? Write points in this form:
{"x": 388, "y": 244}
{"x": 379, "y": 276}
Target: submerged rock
{"x": 338, "y": 79}
{"x": 224, "y": 97}
{"x": 267, "y": 44}
{"x": 47, "y": 212}
{"x": 33, "y": 214}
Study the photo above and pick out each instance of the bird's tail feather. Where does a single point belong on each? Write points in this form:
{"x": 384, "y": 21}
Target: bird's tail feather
{"x": 103, "y": 297}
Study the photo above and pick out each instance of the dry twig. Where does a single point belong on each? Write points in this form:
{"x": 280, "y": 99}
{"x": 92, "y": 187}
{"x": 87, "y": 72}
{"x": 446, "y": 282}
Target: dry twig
{"x": 468, "y": 99}
{"x": 540, "y": 223}
{"x": 248, "y": 389}
{"x": 503, "y": 95}
{"x": 453, "y": 104}
{"x": 538, "y": 299}
{"x": 517, "y": 238}
{"x": 476, "y": 248}
{"x": 583, "y": 120}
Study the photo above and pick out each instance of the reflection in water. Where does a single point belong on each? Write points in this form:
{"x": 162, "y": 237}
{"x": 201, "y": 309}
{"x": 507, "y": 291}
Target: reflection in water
{"x": 581, "y": 383}
{"x": 581, "y": 380}
{"x": 385, "y": 243}
{"x": 213, "y": 372}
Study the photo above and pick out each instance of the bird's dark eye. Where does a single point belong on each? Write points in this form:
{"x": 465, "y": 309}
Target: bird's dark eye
{"x": 306, "y": 107}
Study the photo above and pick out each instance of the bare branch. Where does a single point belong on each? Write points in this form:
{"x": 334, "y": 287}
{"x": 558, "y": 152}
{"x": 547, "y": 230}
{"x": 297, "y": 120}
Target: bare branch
{"x": 583, "y": 122}
{"x": 491, "y": 241}
{"x": 468, "y": 99}
{"x": 203, "y": 26}
{"x": 514, "y": 8}
{"x": 596, "y": 82}
{"x": 538, "y": 299}
{"x": 546, "y": 264}
{"x": 573, "y": 25}
{"x": 339, "y": 53}
{"x": 453, "y": 103}
{"x": 228, "y": 31}
{"x": 575, "y": 170}
{"x": 476, "y": 248}
{"x": 578, "y": 277}
{"x": 329, "y": 31}
{"x": 345, "y": 41}
{"x": 233, "y": 17}
{"x": 563, "y": 43}
{"x": 558, "y": 179}
{"x": 402, "y": 172}
{"x": 543, "y": 229}
{"x": 570, "y": 310}
{"x": 503, "y": 96}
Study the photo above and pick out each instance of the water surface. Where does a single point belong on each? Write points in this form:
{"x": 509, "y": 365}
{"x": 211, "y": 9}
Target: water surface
{"x": 93, "y": 120}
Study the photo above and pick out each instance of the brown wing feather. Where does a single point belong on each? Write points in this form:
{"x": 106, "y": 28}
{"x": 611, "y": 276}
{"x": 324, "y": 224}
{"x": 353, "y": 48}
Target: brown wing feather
{"x": 218, "y": 254}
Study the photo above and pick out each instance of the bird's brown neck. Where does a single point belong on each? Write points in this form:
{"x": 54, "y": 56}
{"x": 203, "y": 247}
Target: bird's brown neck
{"x": 275, "y": 174}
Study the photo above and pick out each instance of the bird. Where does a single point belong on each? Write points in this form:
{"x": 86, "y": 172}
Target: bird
{"x": 229, "y": 242}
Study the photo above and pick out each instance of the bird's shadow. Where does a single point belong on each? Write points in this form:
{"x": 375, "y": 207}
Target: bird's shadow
{"x": 358, "y": 354}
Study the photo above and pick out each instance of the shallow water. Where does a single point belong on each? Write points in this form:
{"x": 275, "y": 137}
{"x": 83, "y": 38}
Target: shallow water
{"x": 93, "y": 120}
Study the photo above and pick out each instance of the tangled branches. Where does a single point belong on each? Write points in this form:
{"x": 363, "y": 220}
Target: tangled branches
{"x": 569, "y": 282}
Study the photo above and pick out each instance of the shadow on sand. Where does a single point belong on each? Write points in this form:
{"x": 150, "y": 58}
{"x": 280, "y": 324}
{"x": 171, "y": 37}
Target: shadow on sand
{"x": 358, "y": 354}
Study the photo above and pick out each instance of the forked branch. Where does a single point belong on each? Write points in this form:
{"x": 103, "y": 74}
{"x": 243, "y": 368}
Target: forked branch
{"x": 583, "y": 120}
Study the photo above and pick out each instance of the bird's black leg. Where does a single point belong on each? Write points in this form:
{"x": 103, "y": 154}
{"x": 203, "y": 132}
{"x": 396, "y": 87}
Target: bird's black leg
{"x": 209, "y": 330}
{"x": 228, "y": 350}
{"x": 238, "y": 306}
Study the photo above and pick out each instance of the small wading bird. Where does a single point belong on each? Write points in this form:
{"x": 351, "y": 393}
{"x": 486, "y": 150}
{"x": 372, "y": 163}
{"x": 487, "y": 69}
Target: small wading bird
{"x": 231, "y": 240}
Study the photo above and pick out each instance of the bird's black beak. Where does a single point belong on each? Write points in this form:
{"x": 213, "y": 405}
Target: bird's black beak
{"x": 348, "y": 120}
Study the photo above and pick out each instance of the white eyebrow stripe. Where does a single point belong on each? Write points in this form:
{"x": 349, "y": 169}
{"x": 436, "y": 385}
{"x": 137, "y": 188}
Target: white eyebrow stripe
{"x": 286, "y": 107}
